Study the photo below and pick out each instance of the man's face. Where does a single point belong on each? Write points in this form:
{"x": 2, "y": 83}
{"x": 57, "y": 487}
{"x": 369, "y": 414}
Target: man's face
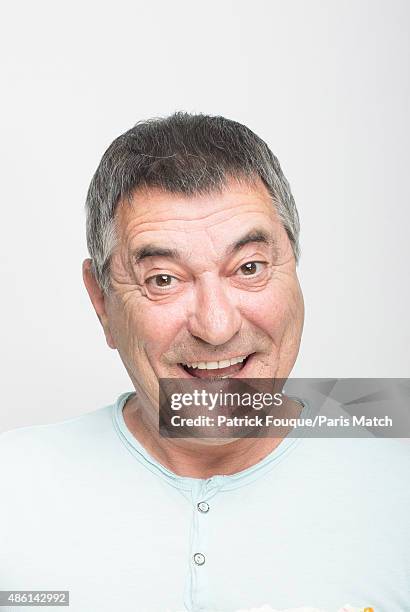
{"x": 203, "y": 281}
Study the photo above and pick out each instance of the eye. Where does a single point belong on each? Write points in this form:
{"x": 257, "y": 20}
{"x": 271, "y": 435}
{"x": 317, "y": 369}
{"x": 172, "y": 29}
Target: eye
{"x": 161, "y": 281}
{"x": 251, "y": 268}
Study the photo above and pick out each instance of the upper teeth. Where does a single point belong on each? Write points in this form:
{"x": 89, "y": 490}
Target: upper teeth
{"x": 215, "y": 365}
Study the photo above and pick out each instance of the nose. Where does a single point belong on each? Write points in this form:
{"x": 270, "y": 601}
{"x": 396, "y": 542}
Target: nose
{"x": 214, "y": 317}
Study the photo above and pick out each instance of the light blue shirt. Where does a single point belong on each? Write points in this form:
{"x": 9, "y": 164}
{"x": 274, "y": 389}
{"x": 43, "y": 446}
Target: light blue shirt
{"x": 318, "y": 522}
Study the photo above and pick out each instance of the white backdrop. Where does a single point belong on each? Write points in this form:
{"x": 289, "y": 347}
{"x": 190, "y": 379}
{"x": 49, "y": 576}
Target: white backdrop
{"x": 326, "y": 84}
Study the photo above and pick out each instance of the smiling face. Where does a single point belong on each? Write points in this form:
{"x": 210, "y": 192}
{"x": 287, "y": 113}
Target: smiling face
{"x": 202, "y": 281}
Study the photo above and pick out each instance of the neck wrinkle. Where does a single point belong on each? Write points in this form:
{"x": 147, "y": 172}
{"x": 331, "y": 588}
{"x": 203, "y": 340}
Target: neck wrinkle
{"x": 196, "y": 460}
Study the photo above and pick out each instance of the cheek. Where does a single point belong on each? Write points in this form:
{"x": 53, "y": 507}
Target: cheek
{"x": 273, "y": 310}
{"x": 155, "y": 327}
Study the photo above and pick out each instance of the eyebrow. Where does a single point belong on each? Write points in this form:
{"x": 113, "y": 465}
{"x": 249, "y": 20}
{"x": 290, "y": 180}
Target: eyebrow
{"x": 152, "y": 250}
{"x": 255, "y": 235}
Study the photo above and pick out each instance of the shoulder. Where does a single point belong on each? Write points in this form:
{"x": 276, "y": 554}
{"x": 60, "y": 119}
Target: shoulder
{"x": 375, "y": 455}
{"x": 365, "y": 451}
{"x": 355, "y": 450}
{"x": 74, "y": 426}
{"x": 27, "y": 452}
{"x": 371, "y": 471}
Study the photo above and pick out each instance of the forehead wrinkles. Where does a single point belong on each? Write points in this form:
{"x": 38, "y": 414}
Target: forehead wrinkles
{"x": 151, "y": 205}
{"x": 161, "y": 218}
{"x": 183, "y": 219}
{"x": 210, "y": 243}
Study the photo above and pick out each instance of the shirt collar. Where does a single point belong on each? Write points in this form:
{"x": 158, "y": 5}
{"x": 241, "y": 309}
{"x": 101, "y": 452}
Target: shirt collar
{"x": 215, "y": 483}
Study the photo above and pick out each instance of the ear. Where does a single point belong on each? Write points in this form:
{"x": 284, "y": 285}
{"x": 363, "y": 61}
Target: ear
{"x": 98, "y": 300}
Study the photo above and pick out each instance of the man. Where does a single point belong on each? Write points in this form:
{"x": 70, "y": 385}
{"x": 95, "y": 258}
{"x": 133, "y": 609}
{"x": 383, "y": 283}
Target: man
{"x": 193, "y": 237}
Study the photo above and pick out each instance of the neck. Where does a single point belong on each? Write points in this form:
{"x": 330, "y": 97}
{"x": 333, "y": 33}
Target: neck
{"x": 198, "y": 458}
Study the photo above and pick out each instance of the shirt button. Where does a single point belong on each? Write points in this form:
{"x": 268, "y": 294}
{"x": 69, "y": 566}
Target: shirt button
{"x": 199, "y": 558}
{"x": 203, "y": 507}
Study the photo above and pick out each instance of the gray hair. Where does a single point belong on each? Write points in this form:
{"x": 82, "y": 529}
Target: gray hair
{"x": 183, "y": 153}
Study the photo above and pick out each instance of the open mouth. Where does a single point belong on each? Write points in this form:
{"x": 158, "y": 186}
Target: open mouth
{"x": 214, "y": 370}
